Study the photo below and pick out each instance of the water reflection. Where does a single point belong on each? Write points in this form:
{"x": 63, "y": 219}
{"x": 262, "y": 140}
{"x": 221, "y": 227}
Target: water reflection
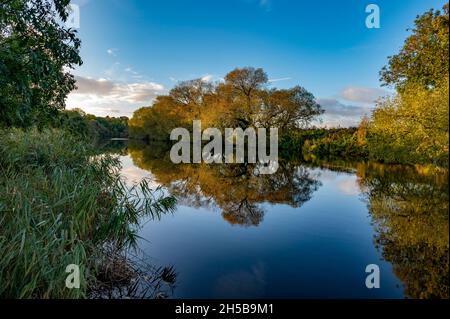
{"x": 236, "y": 189}
{"x": 243, "y": 283}
{"x": 408, "y": 208}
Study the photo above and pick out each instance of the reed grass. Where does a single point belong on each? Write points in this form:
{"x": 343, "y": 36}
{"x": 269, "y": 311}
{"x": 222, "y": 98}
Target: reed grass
{"x": 61, "y": 204}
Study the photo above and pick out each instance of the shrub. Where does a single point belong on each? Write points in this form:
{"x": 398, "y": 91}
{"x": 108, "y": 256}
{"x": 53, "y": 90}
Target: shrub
{"x": 411, "y": 127}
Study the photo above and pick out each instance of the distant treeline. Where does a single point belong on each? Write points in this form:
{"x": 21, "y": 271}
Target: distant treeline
{"x": 322, "y": 143}
{"x": 79, "y": 123}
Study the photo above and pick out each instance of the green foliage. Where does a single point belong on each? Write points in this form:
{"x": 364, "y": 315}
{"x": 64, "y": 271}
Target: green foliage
{"x": 412, "y": 127}
{"x": 79, "y": 123}
{"x": 423, "y": 59}
{"x": 104, "y": 127}
{"x": 61, "y": 204}
{"x": 335, "y": 143}
{"x": 35, "y": 51}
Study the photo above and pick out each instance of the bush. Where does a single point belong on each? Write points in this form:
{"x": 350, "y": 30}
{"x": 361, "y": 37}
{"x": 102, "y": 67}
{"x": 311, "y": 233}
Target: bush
{"x": 346, "y": 143}
{"x": 412, "y": 127}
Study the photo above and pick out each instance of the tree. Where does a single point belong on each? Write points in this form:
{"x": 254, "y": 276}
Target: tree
{"x": 424, "y": 57}
{"x": 35, "y": 52}
{"x": 412, "y": 127}
{"x": 242, "y": 87}
{"x": 246, "y": 81}
{"x": 73, "y": 121}
{"x": 192, "y": 95}
{"x": 242, "y": 100}
{"x": 361, "y": 133}
{"x": 156, "y": 122}
{"x": 79, "y": 123}
{"x": 288, "y": 109}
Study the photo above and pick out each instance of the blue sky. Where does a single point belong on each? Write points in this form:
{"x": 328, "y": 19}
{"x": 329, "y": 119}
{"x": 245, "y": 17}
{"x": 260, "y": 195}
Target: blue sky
{"x": 134, "y": 50}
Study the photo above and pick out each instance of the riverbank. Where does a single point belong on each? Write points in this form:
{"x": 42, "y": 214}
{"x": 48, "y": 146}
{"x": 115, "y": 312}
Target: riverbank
{"x": 62, "y": 204}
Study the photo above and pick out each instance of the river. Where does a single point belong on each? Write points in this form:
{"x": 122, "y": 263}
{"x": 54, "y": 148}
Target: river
{"x": 307, "y": 231}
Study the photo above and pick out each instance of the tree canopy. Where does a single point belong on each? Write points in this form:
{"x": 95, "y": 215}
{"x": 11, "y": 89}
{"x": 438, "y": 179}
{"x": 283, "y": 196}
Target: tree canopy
{"x": 77, "y": 122}
{"x": 423, "y": 58}
{"x": 243, "y": 100}
{"x": 36, "y": 50}
{"x": 412, "y": 126}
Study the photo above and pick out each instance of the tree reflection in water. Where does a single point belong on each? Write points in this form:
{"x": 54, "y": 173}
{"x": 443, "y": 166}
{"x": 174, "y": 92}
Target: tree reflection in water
{"x": 237, "y": 189}
{"x": 409, "y": 207}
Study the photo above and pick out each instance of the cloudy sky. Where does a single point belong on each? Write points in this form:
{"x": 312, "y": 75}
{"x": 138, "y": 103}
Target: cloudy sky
{"x": 134, "y": 50}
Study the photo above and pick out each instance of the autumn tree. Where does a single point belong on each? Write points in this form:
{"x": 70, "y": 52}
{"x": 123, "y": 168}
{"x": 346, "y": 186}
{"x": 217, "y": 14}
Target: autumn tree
{"x": 246, "y": 81}
{"x": 242, "y": 100}
{"x": 412, "y": 126}
{"x": 242, "y": 90}
{"x": 192, "y": 95}
{"x": 288, "y": 109}
{"x": 424, "y": 57}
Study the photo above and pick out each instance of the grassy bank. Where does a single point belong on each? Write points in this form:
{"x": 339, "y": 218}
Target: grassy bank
{"x": 61, "y": 204}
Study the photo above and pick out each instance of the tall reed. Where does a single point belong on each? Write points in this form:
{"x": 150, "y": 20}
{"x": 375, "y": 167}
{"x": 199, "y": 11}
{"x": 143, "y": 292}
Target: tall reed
{"x": 61, "y": 204}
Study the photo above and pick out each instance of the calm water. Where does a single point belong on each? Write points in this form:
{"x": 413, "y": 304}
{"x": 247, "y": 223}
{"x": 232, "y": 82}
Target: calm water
{"x": 308, "y": 231}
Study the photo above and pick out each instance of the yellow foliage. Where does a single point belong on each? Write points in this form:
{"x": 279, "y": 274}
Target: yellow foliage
{"x": 412, "y": 127}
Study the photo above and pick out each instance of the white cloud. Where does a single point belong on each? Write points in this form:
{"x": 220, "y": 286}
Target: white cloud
{"x": 279, "y": 79}
{"x": 113, "y": 70}
{"x": 362, "y": 94}
{"x": 102, "y": 97}
{"x": 349, "y": 186}
{"x": 112, "y": 52}
{"x": 91, "y": 86}
{"x": 350, "y": 106}
{"x": 334, "y": 107}
{"x": 130, "y": 70}
{"x": 207, "y": 78}
{"x": 340, "y": 114}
